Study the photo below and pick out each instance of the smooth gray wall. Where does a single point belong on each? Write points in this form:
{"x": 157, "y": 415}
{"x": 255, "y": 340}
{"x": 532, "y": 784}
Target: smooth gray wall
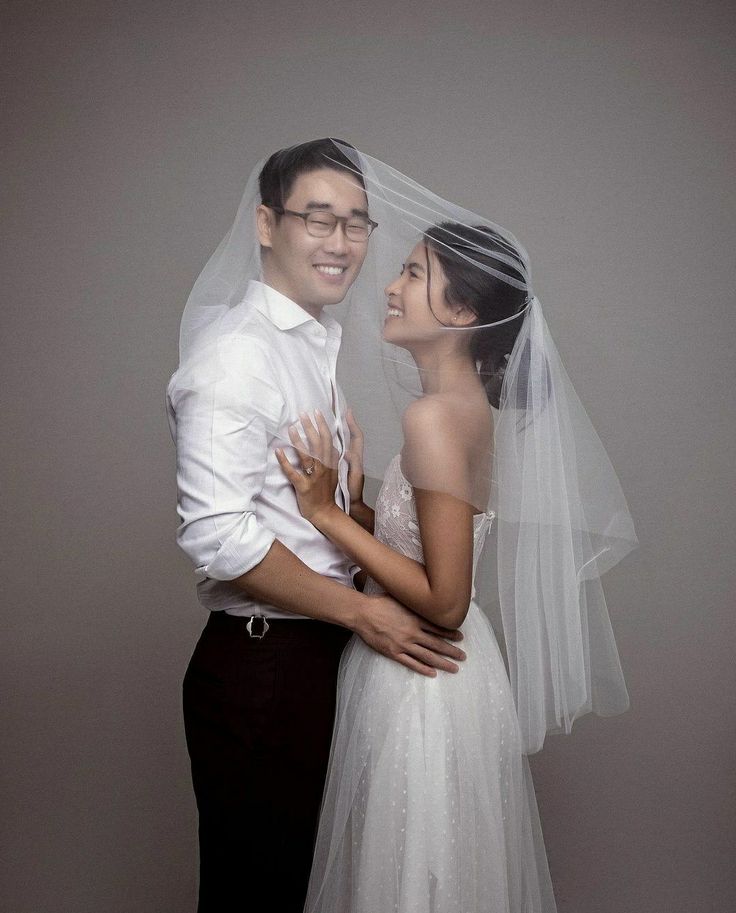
{"x": 603, "y": 136}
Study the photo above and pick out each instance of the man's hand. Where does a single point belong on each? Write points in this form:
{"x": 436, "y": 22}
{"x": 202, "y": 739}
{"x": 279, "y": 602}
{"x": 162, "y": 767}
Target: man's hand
{"x": 396, "y": 632}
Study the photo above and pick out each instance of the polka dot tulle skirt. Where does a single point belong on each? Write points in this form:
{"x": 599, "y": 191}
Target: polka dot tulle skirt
{"x": 429, "y": 805}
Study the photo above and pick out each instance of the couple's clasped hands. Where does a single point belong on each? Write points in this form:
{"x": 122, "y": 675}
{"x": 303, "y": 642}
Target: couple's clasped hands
{"x": 388, "y": 627}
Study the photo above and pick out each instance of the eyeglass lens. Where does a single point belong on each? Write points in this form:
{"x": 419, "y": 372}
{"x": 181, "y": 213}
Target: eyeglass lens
{"x": 322, "y": 224}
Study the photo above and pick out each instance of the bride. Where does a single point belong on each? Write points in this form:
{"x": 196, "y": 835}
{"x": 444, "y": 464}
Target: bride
{"x": 428, "y": 805}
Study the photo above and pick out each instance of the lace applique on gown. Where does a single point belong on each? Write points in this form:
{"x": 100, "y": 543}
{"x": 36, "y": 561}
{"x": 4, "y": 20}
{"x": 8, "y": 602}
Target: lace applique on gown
{"x": 428, "y": 804}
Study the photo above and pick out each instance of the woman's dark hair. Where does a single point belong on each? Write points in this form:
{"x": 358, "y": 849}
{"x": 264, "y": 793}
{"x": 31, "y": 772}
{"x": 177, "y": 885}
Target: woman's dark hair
{"x": 284, "y": 167}
{"x": 465, "y": 253}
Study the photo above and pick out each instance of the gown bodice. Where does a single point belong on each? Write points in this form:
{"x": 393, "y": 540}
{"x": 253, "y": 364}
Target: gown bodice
{"x": 396, "y": 523}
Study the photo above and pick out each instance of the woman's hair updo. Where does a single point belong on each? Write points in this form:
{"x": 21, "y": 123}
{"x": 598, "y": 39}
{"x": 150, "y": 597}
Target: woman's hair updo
{"x": 466, "y": 254}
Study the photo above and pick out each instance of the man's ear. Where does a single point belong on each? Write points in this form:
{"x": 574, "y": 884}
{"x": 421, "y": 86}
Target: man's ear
{"x": 264, "y": 225}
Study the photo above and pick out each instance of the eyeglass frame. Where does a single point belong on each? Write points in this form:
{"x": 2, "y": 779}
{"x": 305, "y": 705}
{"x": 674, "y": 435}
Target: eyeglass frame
{"x": 338, "y": 220}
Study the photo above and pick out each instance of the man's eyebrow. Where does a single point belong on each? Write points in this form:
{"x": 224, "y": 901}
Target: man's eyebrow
{"x": 414, "y": 265}
{"x": 313, "y": 204}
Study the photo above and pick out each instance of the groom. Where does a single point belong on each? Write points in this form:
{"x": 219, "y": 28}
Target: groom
{"x": 259, "y": 692}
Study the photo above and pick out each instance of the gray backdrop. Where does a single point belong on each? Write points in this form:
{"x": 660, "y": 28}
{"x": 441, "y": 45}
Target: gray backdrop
{"x": 602, "y": 135}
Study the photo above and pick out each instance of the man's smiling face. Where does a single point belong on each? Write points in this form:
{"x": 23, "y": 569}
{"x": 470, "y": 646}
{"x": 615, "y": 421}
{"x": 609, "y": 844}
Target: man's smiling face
{"x": 313, "y": 272}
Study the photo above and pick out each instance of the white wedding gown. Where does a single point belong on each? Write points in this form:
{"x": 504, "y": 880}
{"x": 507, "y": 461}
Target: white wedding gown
{"x": 429, "y": 805}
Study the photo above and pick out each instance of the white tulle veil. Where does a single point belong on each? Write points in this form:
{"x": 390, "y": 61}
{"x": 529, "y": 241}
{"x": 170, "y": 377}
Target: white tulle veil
{"x": 561, "y": 517}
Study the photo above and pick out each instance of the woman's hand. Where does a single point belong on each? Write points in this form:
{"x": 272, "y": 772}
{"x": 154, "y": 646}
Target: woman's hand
{"x": 315, "y": 482}
{"x": 354, "y": 456}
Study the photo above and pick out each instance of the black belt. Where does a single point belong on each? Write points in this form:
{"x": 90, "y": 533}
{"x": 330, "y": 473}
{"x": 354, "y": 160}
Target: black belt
{"x": 257, "y": 625}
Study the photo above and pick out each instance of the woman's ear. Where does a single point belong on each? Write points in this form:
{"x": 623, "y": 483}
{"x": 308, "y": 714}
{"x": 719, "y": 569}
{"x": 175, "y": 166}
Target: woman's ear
{"x": 264, "y": 225}
{"x": 462, "y": 316}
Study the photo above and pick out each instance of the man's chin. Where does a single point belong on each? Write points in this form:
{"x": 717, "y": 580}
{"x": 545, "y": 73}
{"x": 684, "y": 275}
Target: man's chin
{"x": 333, "y": 289}
{"x": 337, "y": 300}
{"x": 334, "y": 296}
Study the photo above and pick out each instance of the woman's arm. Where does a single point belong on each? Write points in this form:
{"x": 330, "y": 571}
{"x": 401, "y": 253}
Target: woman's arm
{"x": 439, "y": 590}
{"x": 363, "y": 515}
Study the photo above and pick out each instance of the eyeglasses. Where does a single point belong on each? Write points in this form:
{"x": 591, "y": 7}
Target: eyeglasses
{"x": 321, "y": 224}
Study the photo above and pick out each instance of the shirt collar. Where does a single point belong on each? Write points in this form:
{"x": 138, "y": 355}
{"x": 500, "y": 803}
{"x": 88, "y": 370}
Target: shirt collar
{"x": 285, "y": 313}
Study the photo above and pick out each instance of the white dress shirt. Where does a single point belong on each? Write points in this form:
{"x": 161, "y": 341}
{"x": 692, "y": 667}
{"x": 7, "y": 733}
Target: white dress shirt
{"x": 273, "y": 362}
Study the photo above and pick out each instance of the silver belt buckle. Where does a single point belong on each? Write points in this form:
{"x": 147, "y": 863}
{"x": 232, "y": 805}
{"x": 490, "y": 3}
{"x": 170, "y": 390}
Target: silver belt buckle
{"x": 264, "y": 628}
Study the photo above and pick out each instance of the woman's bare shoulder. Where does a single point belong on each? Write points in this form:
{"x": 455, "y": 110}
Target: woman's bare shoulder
{"x": 449, "y": 413}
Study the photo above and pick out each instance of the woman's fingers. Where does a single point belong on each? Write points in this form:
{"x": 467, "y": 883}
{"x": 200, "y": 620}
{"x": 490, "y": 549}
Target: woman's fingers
{"x": 327, "y": 453}
{"x": 301, "y": 451}
{"x": 304, "y": 451}
{"x": 355, "y": 451}
{"x": 319, "y": 446}
{"x": 355, "y": 430}
{"x": 308, "y": 461}
{"x": 314, "y": 444}
{"x": 299, "y": 445}
{"x": 291, "y": 473}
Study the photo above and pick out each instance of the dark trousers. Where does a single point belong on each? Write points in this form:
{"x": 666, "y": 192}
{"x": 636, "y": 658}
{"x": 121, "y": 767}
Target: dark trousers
{"x": 258, "y": 716}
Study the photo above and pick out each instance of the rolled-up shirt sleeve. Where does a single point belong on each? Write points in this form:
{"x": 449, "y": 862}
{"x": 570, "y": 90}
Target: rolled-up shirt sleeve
{"x": 222, "y": 420}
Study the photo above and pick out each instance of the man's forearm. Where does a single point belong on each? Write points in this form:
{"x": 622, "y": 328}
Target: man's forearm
{"x": 283, "y": 580}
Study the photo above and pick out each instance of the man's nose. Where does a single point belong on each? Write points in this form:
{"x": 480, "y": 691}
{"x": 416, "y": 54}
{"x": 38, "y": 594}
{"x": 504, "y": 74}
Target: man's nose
{"x": 337, "y": 242}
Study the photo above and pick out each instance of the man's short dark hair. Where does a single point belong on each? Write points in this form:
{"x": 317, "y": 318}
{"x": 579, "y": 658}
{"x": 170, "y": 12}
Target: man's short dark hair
{"x": 284, "y": 167}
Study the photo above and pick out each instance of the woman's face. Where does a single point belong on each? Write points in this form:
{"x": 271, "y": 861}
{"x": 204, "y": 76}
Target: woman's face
{"x": 409, "y": 318}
